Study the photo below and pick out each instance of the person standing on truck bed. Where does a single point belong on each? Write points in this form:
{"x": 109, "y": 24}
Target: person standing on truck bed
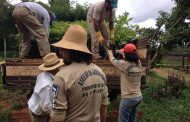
{"x": 33, "y": 20}
{"x": 80, "y": 91}
{"x": 41, "y": 100}
{"x": 97, "y": 26}
{"x": 131, "y": 71}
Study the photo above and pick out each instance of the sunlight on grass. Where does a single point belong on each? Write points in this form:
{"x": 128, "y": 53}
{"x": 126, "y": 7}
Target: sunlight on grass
{"x": 165, "y": 109}
{"x": 170, "y": 70}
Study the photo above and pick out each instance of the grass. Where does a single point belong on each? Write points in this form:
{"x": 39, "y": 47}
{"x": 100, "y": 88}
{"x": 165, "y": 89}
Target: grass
{"x": 9, "y": 54}
{"x": 10, "y": 100}
{"x": 173, "y": 60}
{"x": 168, "y": 109}
{"x": 158, "y": 77}
{"x": 170, "y": 70}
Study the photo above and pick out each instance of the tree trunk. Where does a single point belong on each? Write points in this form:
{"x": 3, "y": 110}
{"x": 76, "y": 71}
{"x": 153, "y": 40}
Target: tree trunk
{"x": 183, "y": 59}
{"x": 187, "y": 64}
{"x": 148, "y": 58}
{"x": 148, "y": 67}
{"x": 161, "y": 44}
{"x": 5, "y": 49}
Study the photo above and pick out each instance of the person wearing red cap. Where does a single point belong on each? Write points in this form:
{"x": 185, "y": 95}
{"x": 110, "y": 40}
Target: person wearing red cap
{"x": 131, "y": 71}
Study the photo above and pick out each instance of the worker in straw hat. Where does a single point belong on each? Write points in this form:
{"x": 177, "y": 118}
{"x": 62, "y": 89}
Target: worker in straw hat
{"x": 40, "y": 102}
{"x": 80, "y": 91}
{"x": 97, "y": 26}
{"x": 131, "y": 71}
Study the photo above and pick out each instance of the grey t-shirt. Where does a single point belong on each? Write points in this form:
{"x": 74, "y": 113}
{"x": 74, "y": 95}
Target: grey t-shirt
{"x": 40, "y": 12}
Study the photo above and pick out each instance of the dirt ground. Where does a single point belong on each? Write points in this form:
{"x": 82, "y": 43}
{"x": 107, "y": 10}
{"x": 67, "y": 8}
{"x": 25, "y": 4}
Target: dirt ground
{"x": 160, "y": 72}
{"x": 165, "y": 73}
{"x": 4, "y": 105}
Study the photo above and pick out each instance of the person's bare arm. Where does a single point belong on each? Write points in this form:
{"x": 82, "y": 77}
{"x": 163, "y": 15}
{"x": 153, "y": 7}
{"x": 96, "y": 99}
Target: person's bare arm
{"x": 96, "y": 26}
{"x": 97, "y": 29}
{"x": 103, "y": 112}
{"x": 111, "y": 25}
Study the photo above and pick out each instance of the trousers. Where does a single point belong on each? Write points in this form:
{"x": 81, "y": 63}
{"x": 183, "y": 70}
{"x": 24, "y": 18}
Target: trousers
{"x": 94, "y": 38}
{"x": 29, "y": 27}
{"x": 128, "y": 109}
{"x": 38, "y": 118}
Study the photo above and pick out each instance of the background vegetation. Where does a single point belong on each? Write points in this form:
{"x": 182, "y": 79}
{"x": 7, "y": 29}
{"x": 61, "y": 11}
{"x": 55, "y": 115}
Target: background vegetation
{"x": 171, "y": 35}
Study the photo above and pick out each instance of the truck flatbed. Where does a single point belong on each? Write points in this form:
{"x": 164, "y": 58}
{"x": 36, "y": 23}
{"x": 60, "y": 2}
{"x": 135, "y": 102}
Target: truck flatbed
{"x": 22, "y": 73}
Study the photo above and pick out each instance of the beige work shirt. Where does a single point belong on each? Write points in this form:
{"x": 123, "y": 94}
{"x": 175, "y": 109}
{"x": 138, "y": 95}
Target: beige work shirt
{"x": 130, "y": 77}
{"x": 98, "y": 12}
{"x": 79, "y": 90}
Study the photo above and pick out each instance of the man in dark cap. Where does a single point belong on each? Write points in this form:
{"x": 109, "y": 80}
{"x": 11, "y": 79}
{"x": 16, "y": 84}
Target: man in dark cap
{"x": 33, "y": 20}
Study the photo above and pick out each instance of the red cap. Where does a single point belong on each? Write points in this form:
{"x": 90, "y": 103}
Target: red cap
{"x": 129, "y": 48}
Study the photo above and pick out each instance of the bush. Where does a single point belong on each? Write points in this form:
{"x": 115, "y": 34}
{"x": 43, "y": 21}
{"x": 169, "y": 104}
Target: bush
{"x": 172, "y": 87}
{"x": 167, "y": 108}
{"x": 5, "y": 116}
{"x": 9, "y": 54}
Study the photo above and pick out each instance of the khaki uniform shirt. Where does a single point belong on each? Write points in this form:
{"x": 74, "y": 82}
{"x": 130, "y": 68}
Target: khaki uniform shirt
{"x": 130, "y": 78}
{"x": 98, "y": 12}
{"x": 79, "y": 90}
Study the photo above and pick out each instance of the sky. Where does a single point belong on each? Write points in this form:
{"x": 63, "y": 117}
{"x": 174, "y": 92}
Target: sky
{"x": 143, "y": 12}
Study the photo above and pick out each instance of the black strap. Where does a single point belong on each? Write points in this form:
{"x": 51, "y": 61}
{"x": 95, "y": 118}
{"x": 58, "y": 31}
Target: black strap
{"x": 52, "y": 64}
{"x": 39, "y": 115}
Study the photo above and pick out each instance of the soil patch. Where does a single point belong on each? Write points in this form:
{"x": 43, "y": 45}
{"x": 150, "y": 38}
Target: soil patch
{"x": 4, "y": 106}
{"x": 165, "y": 73}
{"x": 160, "y": 72}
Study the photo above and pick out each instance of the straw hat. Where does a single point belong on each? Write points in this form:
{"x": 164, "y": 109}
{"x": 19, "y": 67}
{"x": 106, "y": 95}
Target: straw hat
{"x": 51, "y": 62}
{"x": 75, "y": 38}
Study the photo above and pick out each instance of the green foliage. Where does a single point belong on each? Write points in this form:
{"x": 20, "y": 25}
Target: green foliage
{"x": 59, "y": 2}
{"x": 173, "y": 87}
{"x": 17, "y": 106}
{"x": 59, "y": 28}
{"x": 7, "y": 27}
{"x": 159, "y": 57}
{"x": 68, "y": 11}
{"x": 13, "y": 100}
{"x": 146, "y": 31}
{"x": 5, "y": 116}
{"x": 162, "y": 18}
{"x": 28, "y": 0}
{"x": 165, "y": 110}
{"x": 178, "y": 35}
{"x": 125, "y": 33}
{"x": 9, "y": 54}
{"x": 185, "y": 3}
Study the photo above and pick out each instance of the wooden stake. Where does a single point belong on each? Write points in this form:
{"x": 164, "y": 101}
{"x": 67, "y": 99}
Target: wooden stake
{"x": 5, "y": 53}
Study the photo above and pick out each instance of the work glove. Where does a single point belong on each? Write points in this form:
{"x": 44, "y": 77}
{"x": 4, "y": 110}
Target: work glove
{"x": 109, "y": 53}
{"x": 112, "y": 36}
{"x": 100, "y": 38}
{"x": 119, "y": 52}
